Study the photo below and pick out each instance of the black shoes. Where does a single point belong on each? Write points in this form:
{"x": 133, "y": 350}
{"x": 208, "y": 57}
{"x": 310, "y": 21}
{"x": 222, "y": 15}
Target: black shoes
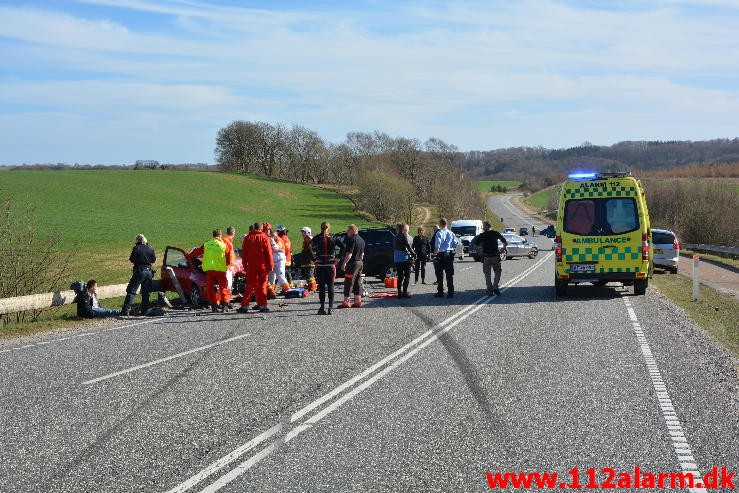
{"x": 321, "y": 311}
{"x": 225, "y": 308}
{"x": 439, "y": 295}
{"x": 496, "y": 291}
{"x": 214, "y": 308}
{"x": 243, "y": 309}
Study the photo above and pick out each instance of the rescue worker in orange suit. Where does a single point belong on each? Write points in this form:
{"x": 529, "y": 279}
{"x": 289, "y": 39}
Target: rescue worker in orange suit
{"x": 229, "y": 238}
{"x": 307, "y": 265}
{"x": 256, "y": 255}
{"x": 282, "y": 232}
{"x": 277, "y": 274}
{"x": 218, "y": 255}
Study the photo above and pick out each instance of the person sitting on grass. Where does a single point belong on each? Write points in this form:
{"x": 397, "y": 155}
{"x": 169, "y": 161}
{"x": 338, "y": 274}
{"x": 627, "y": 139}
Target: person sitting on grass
{"x": 87, "y": 303}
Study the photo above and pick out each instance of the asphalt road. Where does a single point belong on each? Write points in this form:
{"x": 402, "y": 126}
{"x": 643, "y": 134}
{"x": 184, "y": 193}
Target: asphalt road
{"x": 424, "y": 394}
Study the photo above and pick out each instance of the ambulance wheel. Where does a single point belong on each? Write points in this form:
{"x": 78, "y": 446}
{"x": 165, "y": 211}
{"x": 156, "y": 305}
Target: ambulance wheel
{"x": 195, "y": 296}
{"x": 560, "y": 287}
{"x": 673, "y": 270}
{"x": 534, "y": 253}
{"x": 640, "y": 287}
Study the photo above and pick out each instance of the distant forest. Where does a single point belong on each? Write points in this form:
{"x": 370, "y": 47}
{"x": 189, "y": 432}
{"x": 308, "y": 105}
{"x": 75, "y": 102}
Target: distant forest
{"x": 549, "y": 166}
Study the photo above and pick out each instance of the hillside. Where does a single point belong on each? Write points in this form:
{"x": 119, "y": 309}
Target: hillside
{"x": 549, "y": 166}
{"x": 97, "y": 213}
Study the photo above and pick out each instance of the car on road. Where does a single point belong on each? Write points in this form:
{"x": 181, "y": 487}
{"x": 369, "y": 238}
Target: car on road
{"x": 523, "y": 231}
{"x": 666, "y": 249}
{"x": 466, "y": 230}
{"x": 191, "y": 277}
{"x": 548, "y": 231}
{"x": 519, "y": 247}
{"x": 378, "y": 251}
{"x": 510, "y": 231}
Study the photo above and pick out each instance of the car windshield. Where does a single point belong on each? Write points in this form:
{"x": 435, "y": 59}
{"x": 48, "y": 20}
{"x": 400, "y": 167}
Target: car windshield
{"x": 662, "y": 238}
{"x": 601, "y": 217}
{"x": 176, "y": 258}
{"x": 513, "y": 238}
{"x": 464, "y": 230}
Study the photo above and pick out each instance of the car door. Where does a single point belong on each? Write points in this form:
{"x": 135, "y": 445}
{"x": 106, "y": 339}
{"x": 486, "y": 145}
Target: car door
{"x": 176, "y": 259}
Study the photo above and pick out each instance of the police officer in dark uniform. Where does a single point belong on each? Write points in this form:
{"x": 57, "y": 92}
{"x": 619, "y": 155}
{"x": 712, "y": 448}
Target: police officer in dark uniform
{"x": 142, "y": 257}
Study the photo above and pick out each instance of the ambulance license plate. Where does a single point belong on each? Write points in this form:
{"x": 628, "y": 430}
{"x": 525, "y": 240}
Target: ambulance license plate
{"x": 657, "y": 250}
{"x": 582, "y": 268}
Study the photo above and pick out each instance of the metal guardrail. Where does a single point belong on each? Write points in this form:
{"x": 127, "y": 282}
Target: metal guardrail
{"x": 60, "y": 298}
{"x": 700, "y": 247}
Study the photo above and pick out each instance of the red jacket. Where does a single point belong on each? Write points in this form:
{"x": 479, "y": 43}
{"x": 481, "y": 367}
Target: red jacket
{"x": 256, "y": 252}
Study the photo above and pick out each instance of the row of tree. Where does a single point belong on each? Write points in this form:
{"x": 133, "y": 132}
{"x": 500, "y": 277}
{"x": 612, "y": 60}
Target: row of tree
{"x": 392, "y": 175}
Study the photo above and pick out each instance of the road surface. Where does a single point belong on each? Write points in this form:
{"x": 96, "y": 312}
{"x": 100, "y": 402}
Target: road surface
{"x": 424, "y": 394}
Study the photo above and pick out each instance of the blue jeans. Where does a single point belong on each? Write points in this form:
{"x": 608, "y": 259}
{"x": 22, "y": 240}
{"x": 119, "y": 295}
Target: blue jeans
{"x": 104, "y": 312}
{"x": 141, "y": 277}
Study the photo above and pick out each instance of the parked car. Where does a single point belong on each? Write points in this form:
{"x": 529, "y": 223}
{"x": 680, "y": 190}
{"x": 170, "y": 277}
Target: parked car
{"x": 476, "y": 252}
{"x": 523, "y": 231}
{"x": 378, "y": 251}
{"x": 520, "y": 247}
{"x": 666, "y": 249}
{"x": 548, "y": 231}
{"x": 191, "y": 277}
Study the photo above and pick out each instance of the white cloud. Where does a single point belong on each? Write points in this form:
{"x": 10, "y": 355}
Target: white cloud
{"x": 543, "y": 68}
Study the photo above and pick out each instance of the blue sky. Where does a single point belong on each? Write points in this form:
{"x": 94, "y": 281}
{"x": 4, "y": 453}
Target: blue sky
{"x": 113, "y": 81}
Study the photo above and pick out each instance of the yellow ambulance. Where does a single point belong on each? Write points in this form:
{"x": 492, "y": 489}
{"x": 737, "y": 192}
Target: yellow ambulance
{"x": 602, "y": 232}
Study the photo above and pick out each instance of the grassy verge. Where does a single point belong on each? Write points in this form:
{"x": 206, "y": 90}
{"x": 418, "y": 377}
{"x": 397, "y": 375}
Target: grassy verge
{"x": 540, "y": 199}
{"x": 716, "y": 313}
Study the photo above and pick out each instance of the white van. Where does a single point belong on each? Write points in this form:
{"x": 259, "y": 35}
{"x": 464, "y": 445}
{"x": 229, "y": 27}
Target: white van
{"x": 466, "y": 229}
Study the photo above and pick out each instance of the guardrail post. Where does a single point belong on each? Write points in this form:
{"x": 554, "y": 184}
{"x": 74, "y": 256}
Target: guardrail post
{"x": 696, "y": 278}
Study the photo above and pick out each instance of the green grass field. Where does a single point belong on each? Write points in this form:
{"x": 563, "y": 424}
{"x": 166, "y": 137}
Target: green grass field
{"x": 484, "y": 186}
{"x": 540, "y": 199}
{"x": 97, "y": 213}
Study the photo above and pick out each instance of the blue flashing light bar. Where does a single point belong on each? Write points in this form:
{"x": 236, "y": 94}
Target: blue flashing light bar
{"x": 583, "y": 176}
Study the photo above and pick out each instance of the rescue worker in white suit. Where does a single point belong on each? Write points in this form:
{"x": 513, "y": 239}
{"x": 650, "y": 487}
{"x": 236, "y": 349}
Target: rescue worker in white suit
{"x": 276, "y": 275}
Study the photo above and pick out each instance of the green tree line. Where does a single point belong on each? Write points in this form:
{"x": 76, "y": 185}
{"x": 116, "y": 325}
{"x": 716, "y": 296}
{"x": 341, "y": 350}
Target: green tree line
{"x": 391, "y": 175}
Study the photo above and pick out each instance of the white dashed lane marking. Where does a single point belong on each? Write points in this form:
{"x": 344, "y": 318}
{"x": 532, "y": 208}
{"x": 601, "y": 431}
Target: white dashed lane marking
{"x": 679, "y": 441}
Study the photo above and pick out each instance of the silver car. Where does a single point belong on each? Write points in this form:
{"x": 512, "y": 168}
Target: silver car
{"x": 519, "y": 247}
{"x": 666, "y": 249}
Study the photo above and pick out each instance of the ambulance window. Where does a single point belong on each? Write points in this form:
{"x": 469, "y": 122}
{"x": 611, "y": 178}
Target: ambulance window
{"x": 621, "y": 215}
{"x": 579, "y": 216}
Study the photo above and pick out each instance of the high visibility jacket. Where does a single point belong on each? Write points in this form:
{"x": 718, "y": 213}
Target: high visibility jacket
{"x": 256, "y": 252}
{"x": 288, "y": 249}
{"x": 215, "y": 255}
{"x": 278, "y": 248}
{"x": 232, "y": 258}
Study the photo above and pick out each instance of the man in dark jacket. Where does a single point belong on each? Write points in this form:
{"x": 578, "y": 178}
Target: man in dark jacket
{"x": 488, "y": 239}
{"x": 87, "y": 303}
{"x": 142, "y": 257}
{"x": 422, "y": 247}
{"x": 323, "y": 250}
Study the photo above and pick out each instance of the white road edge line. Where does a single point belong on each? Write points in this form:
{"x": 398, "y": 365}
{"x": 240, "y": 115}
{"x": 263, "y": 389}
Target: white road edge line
{"x": 162, "y": 360}
{"x": 420, "y": 342}
{"x": 677, "y": 436}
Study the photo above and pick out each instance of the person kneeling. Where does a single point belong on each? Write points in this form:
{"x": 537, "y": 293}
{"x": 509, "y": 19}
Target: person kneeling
{"x": 87, "y": 303}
